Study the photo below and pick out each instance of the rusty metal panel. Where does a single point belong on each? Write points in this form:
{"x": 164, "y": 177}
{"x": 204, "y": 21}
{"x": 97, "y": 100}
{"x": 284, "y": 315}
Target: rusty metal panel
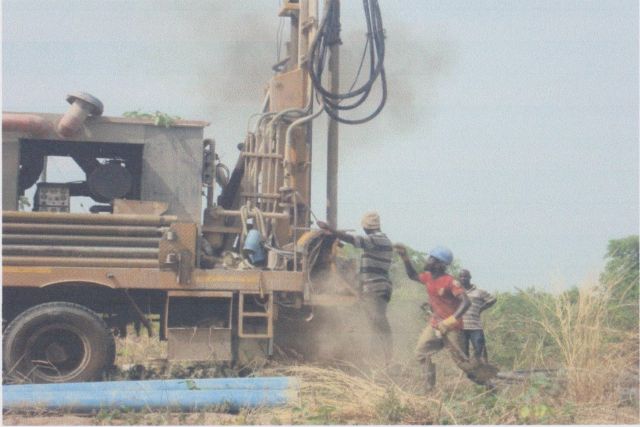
{"x": 123, "y": 206}
{"x": 283, "y": 281}
{"x": 172, "y": 158}
{"x": 249, "y": 280}
{"x": 40, "y": 276}
{"x": 287, "y": 90}
{"x": 172, "y": 169}
{"x": 199, "y": 344}
{"x": 186, "y": 235}
{"x": 221, "y": 279}
{"x": 152, "y": 278}
{"x": 177, "y": 251}
{"x": 77, "y": 261}
{"x": 200, "y": 294}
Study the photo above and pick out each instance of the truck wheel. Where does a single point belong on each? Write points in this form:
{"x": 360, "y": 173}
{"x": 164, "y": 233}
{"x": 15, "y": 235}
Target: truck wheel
{"x": 57, "y": 342}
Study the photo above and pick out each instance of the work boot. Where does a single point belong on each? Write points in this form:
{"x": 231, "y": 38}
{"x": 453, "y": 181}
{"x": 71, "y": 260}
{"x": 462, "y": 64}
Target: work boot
{"x": 429, "y": 369}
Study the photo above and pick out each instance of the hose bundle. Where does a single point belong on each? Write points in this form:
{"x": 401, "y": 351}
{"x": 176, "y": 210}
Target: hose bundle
{"x": 329, "y": 34}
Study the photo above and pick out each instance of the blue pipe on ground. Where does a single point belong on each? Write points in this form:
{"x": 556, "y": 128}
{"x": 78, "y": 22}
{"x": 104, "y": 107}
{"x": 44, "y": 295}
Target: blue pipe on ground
{"x": 138, "y": 395}
{"x": 245, "y": 383}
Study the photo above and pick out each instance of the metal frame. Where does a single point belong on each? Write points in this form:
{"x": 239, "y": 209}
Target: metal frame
{"x": 267, "y": 315}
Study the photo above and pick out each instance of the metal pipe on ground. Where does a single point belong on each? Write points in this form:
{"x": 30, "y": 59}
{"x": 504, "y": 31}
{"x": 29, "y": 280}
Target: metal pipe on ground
{"x": 38, "y": 239}
{"x": 175, "y": 394}
{"x": 244, "y": 383}
{"x": 74, "y": 218}
{"x": 27, "y": 261}
{"x": 84, "y": 230}
{"x": 80, "y": 251}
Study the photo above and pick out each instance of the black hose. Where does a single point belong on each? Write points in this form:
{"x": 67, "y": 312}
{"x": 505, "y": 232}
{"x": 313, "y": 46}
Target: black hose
{"x": 329, "y": 34}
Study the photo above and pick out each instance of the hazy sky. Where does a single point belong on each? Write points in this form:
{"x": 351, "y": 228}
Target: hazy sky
{"x": 510, "y": 133}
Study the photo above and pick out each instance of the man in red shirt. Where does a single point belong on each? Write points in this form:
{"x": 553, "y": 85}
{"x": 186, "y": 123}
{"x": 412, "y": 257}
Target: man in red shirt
{"x": 448, "y": 302}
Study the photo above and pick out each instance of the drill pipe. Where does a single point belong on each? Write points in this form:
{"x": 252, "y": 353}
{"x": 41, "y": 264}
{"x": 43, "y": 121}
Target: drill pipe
{"x": 82, "y": 230}
{"x": 37, "y": 239}
{"x": 70, "y": 218}
{"x": 79, "y": 251}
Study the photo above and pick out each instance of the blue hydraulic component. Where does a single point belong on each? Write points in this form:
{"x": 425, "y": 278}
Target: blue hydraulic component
{"x": 253, "y": 243}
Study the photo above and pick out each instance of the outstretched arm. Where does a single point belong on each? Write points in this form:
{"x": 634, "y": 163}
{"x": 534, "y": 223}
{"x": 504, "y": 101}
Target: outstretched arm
{"x": 411, "y": 272}
{"x": 345, "y": 237}
{"x": 465, "y": 303}
{"x": 490, "y": 300}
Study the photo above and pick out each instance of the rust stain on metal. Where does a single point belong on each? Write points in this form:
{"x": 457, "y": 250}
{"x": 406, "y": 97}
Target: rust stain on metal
{"x": 27, "y": 270}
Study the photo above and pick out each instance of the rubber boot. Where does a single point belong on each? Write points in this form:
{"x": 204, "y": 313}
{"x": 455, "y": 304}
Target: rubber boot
{"x": 429, "y": 369}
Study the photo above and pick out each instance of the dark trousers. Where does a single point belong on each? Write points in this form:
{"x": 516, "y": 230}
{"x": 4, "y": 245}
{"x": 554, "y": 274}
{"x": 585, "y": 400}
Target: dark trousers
{"x": 476, "y": 338}
{"x": 375, "y": 307}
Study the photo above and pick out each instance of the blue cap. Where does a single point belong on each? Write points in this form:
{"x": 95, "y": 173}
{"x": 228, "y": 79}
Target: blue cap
{"x": 442, "y": 254}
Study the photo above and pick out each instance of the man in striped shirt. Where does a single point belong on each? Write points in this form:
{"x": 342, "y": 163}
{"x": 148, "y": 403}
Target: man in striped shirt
{"x": 472, "y": 324}
{"x": 375, "y": 285}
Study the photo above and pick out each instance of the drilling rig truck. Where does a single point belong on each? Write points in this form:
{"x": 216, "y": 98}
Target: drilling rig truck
{"x": 224, "y": 259}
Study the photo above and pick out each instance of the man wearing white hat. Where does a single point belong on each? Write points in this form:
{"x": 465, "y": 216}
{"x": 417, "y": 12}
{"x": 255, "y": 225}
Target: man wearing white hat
{"x": 375, "y": 284}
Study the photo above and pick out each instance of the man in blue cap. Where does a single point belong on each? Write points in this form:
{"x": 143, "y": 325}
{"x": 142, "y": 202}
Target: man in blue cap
{"x": 448, "y": 302}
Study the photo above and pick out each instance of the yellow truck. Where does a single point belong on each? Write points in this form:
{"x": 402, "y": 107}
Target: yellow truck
{"x": 170, "y": 235}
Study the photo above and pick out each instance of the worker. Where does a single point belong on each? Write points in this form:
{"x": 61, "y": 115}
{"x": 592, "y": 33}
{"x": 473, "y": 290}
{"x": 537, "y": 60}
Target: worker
{"x": 253, "y": 249}
{"x": 375, "y": 285}
{"x": 448, "y": 302}
{"x": 472, "y": 324}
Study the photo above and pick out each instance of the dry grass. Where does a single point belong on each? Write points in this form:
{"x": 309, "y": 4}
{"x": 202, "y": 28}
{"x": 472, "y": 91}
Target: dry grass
{"x": 142, "y": 349}
{"x": 335, "y": 396}
{"x": 593, "y": 364}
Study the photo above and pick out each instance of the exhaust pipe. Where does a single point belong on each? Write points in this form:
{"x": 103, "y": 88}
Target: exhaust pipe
{"x": 82, "y": 106}
{"x": 28, "y": 123}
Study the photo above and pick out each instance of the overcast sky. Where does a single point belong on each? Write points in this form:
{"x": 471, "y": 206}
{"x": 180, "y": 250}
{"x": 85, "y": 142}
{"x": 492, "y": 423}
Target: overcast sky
{"x": 510, "y": 133}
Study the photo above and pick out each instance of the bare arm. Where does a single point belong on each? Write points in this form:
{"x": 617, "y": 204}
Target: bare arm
{"x": 465, "y": 303}
{"x": 488, "y": 305}
{"x": 345, "y": 237}
{"x": 411, "y": 272}
{"x": 489, "y": 301}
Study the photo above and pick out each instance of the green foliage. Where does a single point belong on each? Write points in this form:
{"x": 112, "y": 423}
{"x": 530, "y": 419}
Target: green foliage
{"x": 514, "y": 339}
{"x": 159, "y": 118}
{"x": 621, "y": 278}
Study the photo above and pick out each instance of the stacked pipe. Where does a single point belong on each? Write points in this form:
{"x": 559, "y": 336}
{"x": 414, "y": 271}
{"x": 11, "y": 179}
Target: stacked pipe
{"x": 81, "y": 240}
{"x": 189, "y": 394}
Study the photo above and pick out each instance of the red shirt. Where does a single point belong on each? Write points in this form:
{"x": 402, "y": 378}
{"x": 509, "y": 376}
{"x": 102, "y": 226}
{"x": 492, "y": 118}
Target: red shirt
{"x": 443, "y": 293}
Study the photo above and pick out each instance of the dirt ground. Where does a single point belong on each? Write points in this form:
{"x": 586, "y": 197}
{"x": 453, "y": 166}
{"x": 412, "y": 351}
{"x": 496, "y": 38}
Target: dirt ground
{"x": 206, "y": 418}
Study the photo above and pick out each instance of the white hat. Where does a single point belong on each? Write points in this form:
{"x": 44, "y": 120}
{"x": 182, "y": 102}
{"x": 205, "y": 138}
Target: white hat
{"x": 370, "y": 221}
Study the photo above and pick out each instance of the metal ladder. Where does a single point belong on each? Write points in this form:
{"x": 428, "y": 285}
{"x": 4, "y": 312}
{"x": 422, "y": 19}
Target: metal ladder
{"x": 262, "y": 312}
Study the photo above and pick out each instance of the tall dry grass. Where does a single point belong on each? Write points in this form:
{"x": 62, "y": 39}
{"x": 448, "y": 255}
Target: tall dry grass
{"x": 596, "y": 358}
{"x": 332, "y": 395}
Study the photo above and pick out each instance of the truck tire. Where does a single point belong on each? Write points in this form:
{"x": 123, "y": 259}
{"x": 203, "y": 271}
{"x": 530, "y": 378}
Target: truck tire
{"x": 57, "y": 342}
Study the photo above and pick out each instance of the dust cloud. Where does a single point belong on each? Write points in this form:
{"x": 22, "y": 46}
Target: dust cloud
{"x": 414, "y": 67}
{"x": 342, "y": 334}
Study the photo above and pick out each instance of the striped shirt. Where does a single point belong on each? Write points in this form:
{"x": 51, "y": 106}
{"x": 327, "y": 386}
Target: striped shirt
{"x": 479, "y": 298}
{"x": 375, "y": 261}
